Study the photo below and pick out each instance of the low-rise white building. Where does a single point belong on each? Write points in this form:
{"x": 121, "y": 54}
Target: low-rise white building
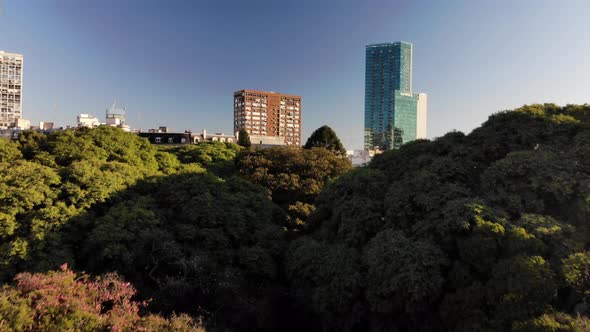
{"x": 217, "y": 137}
{"x": 87, "y": 120}
{"x": 44, "y": 125}
{"x": 23, "y": 124}
{"x": 115, "y": 117}
{"x": 257, "y": 140}
{"x": 361, "y": 157}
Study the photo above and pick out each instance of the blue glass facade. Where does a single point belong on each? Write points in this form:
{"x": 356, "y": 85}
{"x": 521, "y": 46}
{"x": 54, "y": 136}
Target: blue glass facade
{"x": 390, "y": 106}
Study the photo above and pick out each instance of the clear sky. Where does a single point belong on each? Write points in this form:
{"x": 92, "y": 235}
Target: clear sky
{"x": 177, "y": 63}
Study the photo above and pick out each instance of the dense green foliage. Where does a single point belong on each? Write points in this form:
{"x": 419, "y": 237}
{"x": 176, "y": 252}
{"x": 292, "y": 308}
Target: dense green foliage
{"x": 215, "y": 157}
{"x": 325, "y": 137}
{"x": 244, "y": 138}
{"x": 481, "y": 232}
{"x": 190, "y": 240}
{"x": 175, "y": 221}
{"x": 48, "y": 179}
{"x": 293, "y": 177}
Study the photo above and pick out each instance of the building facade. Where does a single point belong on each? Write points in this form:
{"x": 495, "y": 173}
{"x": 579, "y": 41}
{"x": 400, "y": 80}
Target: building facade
{"x": 216, "y": 137}
{"x": 22, "y": 124}
{"x": 268, "y": 114}
{"x": 11, "y": 79}
{"x": 167, "y": 138}
{"x": 115, "y": 117}
{"x": 45, "y": 125}
{"x": 422, "y": 116}
{"x": 394, "y": 115}
{"x": 87, "y": 120}
{"x": 360, "y": 157}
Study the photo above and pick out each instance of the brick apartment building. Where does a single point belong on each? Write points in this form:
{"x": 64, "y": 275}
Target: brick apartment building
{"x": 266, "y": 115}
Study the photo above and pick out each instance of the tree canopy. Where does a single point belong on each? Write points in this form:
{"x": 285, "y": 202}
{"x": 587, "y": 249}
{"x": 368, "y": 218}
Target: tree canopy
{"x": 481, "y": 232}
{"x": 293, "y": 177}
{"x": 325, "y": 137}
{"x": 189, "y": 240}
{"x": 244, "y": 138}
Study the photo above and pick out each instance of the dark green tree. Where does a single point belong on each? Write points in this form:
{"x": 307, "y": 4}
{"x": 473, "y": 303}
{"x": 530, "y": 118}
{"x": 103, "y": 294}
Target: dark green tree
{"x": 56, "y": 177}
{"x": 215, "y": 157}
{"x": 325, "y": 137}
{"x": 191, "y": 241}
{"x": 479, "y": 232}
{"x": 244, "y": 138}
{"x": 293, "y": 177}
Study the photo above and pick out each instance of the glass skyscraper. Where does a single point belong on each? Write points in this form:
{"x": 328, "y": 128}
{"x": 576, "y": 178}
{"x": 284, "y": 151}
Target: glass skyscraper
{"x": 393, "y": 114}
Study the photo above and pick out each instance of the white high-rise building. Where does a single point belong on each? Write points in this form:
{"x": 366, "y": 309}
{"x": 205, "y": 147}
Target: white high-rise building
{"x": 421, "y": 116}
{"x": 11, "y": 78}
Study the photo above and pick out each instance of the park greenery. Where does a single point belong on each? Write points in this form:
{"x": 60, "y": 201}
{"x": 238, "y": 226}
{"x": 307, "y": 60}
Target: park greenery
{"x": 325, "y": 137}
{"x": 489, "y": 231}
{"x": 293, "y": 177}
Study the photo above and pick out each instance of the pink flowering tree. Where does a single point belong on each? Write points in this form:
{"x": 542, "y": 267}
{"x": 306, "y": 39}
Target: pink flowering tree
{"x": 65, "y": 301}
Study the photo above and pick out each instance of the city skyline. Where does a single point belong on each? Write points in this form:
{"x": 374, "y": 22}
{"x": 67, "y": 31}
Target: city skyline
{"x": 177, "y": 65}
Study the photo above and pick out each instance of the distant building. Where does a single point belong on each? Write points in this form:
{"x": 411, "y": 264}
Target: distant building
{"x": 161, "y": 129}
{"x": 167, "y": 138}
{"x": 393, "y": 114}
{"x": 217, "y": 137}
{"x": 11, "y": 78}
{"x": 361, "y": 157}
{"x": 10, "y": 133}
{"x": 421, "y": 117}
{"x": 264, "y": 114}
{"x": 115, "y": 117}
{"x": 266, "y": 141}
{"x": 161, "y": 136}
{"x": 23, "y": 124}
{"x": 87, "y": 120}
{"x": 43, "y": 125}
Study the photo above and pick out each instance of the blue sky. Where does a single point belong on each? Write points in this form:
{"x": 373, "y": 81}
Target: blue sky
{"x": 177, "y": 63}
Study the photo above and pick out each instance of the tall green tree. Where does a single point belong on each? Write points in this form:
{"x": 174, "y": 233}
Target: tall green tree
{"x": 325, "y": 137}
{"x": 244, "y": 138}
{"x": 293, "y": 177}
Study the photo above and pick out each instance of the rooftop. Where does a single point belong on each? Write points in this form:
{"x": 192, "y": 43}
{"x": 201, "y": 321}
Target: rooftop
{"x": 8, "y": 53}
{"x": 388, "y": 44}
{"x": 265, "y": 92}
